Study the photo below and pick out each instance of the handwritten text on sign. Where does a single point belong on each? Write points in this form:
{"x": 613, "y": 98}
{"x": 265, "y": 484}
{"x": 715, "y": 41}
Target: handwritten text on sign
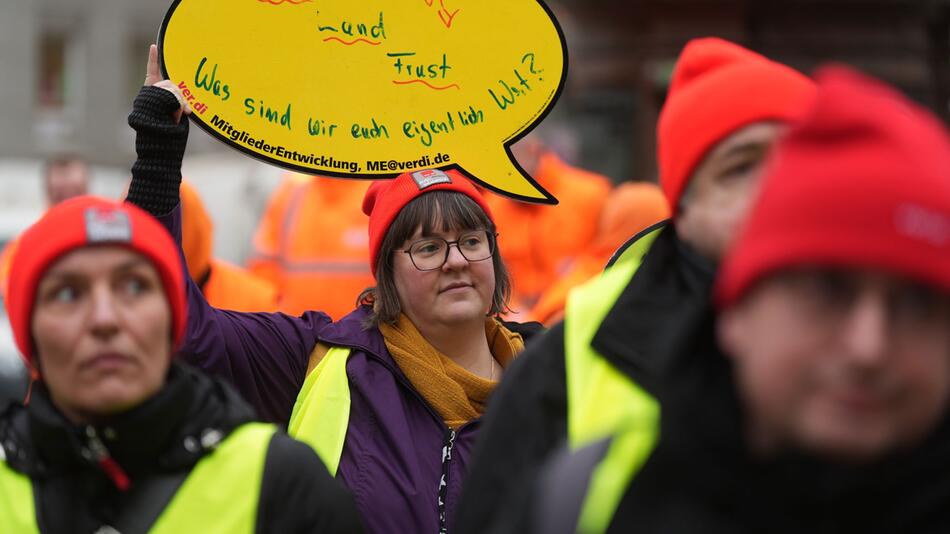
{"x": 372, "y": 88}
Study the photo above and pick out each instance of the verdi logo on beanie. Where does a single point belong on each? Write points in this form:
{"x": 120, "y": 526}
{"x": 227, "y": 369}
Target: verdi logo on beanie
{"x": 862, "y": 182}
{"x": 82, "y": 222}
{"x": 717, "y": 88}
{"x": 385, "y": 199}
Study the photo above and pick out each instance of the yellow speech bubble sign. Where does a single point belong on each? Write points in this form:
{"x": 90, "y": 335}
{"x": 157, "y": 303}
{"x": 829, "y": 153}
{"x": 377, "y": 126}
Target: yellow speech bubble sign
{"x": 371, "y": 89}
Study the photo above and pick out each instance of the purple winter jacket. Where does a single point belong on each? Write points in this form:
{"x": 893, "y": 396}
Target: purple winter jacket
{"x": 397, "y": 448}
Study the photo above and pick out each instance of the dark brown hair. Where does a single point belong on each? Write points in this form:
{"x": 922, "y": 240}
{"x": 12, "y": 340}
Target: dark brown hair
{"x": 451, "y": 210}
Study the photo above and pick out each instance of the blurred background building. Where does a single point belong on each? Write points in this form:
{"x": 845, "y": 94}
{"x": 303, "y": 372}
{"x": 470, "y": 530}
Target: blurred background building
{"x": 69, "y": 70}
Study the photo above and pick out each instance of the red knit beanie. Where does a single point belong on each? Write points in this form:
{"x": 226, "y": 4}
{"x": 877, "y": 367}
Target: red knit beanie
{"x": 385, "y": 199}
{"x": 89, "y": 221}
{"x": 862, "y": 182}
{"x": 717, "y": 88}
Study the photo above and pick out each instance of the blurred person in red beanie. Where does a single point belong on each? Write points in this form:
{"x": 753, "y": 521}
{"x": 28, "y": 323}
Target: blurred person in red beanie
{"x": 815, "y": 395}
{"x": 225, "y": 285}
{"x": 390, "y": 395}
{"x": 725, "y": 107}
{"x": 117, "y": 435}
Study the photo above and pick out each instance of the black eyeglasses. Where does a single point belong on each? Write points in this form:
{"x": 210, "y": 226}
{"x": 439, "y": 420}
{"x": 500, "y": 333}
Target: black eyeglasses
{"x": 431, "y": 253}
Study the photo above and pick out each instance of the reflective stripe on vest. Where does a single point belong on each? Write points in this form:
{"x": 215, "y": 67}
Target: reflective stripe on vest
{"x": 290, "y": 263}
{"x": 220, "y": 495}
{"x": 601, "y": 400}
{"x": 17, "y": 513}
{"x": 628, "y": 451}
{"x": 599, "y": 397}
{"x": 321, "y": 414}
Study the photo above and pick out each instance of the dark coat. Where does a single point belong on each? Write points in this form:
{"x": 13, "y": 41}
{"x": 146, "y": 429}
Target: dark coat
{"x": 74, "y": 494}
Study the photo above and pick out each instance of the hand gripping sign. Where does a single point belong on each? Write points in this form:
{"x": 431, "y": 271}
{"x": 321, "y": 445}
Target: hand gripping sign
{"x": 374, "y": 88}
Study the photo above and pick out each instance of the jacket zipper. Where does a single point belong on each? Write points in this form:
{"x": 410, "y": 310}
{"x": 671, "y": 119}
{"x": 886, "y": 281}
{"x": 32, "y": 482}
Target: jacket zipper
{"x": 447, "y": 446}
{"x": 448, "y": 439}
{"x": 98, "y": 453}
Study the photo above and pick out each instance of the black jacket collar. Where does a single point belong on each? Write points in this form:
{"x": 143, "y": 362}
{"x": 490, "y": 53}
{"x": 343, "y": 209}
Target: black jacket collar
{"x": 162, "y": 434}
{"x": 671, "y": 280}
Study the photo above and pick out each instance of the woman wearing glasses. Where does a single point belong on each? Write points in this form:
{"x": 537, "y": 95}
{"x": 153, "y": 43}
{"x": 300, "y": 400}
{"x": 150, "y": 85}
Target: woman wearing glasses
{"x": 390, "y": 395}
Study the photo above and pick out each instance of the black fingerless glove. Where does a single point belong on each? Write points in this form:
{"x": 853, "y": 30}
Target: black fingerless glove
{"x": 160, "y": 145}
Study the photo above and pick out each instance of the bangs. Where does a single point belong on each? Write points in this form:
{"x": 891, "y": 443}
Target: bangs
{"x": 439, "y": 210}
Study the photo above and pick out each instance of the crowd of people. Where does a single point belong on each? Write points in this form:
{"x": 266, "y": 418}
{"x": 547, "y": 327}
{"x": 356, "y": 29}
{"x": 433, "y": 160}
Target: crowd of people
{"x": 761, "y": 343}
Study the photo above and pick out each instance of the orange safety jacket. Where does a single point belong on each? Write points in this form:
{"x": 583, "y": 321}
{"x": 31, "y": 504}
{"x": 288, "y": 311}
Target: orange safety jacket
{"x": 630, "y": 208}
{"x": 230, "y": 287}
{"x": 312, "y": 243}
{"x": 224, "y": 285}
{"x": 538, "y": 242}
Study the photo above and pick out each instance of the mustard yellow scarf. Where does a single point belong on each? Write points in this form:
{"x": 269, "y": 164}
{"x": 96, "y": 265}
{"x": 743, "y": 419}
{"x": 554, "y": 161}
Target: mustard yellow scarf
{"x": 457, "y": 395}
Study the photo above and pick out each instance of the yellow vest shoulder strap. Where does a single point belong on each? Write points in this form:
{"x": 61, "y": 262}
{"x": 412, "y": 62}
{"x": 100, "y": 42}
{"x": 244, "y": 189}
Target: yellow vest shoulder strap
{"x": 17, "y": 512}
{"x": 321, "y": 414}
{"x": 601, "y": 471}
{"x": 628, "y": 451}
{"x": 599, "y": 397}
{"x": 602, "y": 400}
